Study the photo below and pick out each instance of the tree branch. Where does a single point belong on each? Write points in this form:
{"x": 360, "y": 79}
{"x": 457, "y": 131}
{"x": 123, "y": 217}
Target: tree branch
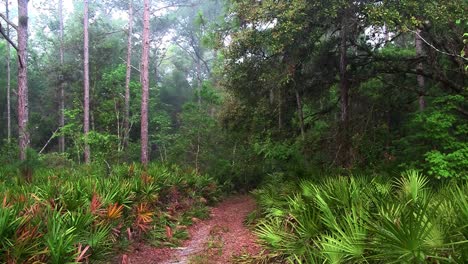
{"x": 7, "y": 38}
{"x": 436, "y": 49}
{"x": 452, "y": 85}
{"x": 169, "y": 6}
{"x": 12, "y": 44}
{"x": 9, "y": 22}
{"x": 462, "y": 111}
{"x": 323, "y": 111}
{"x": 136, "y": 69}
{"x": 48, "y": 141}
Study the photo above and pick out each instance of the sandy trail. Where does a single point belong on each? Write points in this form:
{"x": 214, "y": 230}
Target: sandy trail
{"x": 214, "y": 240}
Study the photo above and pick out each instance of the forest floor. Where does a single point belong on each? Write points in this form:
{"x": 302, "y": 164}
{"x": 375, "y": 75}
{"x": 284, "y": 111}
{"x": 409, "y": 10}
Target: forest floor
{"x": 215, "y": 240}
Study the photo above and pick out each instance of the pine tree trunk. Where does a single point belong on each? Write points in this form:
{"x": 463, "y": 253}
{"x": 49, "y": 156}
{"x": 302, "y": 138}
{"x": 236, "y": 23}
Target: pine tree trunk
{"x": 23, "y": 103}
{"x": 300, "y": 112}
{"x": 199, "y": 81}
{"x": 199, "y": 88}
{"x": 145, "y": 82}
{"x": 126, "y": 124}
{"x": 344, "y": 150}
{"x": 421, "y": 81}
{"x": 87, "y": 152}
{"x": 8, "y": 76}
{"x": 62, "y": 81}
{"x": 280, "y": 110}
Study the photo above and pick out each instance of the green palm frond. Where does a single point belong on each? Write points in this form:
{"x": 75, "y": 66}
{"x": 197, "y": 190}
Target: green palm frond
{"x": 306, "y": 218}
{"x": 60, "y": 239}
{"x": 459, "y": 230}
{"x": 412, "y": 186}
{"x": 97, "y": 238}
{"x": 405, "y": 233}
{"x": 347, "y": 233}
{"x": 9, "y": 223}
{"x": 271, "y": 230}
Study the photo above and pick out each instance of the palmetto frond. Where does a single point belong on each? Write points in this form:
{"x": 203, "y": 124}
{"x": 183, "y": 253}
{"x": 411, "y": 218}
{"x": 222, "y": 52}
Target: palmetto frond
{"x": 405, "y": 233}
{"x": 412, "y": 186}
{"x": 114, "y": 211}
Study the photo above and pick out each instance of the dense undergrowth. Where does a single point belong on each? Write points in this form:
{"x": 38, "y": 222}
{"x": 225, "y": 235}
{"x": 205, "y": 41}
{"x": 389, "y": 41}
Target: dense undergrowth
{"x": 360, "y": 219}
{"x": 85, "y": 213}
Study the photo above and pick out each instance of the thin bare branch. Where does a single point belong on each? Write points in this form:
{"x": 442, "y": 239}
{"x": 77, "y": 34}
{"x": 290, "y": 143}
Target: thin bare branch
{"x": 13, "y": 25}
{"x": 48, "y": 141}
{"x": 171, "y": 5}
{"x": 135, "y": 68}
{"x": 436, "y": 49}
{"x": 11, "y": 43}
{"x": 7, "y": 38}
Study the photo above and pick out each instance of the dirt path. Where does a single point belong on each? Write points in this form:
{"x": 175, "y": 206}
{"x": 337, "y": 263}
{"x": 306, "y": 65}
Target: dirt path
{"x": 211, "y": 241}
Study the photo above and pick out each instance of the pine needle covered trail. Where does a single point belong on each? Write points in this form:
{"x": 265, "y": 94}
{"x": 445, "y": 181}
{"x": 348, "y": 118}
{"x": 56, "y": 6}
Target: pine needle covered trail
{"x": 215, "y": 240}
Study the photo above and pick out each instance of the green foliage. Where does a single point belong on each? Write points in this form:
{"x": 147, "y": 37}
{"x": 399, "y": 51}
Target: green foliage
{"x": 75, "y": 214}
{"x": 9, "y": 159}
{"x": 234, "y": 113}
{"x": 436, "y": 140}
{"x": 363, "y": 219}
{"x": 60, "y": 239}
{"x": 447, "y": 165}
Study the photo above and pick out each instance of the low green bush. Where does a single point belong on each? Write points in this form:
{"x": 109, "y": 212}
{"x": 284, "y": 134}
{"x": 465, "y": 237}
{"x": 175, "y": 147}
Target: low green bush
{"x": 77, "y": 213}
{"x": 360, "y": 219}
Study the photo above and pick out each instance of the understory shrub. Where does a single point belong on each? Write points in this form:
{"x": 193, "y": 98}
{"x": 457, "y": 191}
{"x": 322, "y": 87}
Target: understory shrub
{"x": 435, "y": 140}
{"x": 78, "y": 214}
{"x": 360, "y": 219}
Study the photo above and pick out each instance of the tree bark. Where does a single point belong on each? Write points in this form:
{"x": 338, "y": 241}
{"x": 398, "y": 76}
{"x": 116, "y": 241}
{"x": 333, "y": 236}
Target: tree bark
{"x": 419, "y": 68}
{"x": 23, "y": 103}
{"x": 62, "y": 81}
{"x": 126, "y": 124}
{"x": 117, "y": 124}
{"x": 199, "y": 89}
{"x": 300, "y": 113}
{"x": 344, "y": 96}
{"x": 145, "y": 82}
{"x": 8, "y": 76}
{"x": 199, "y": 81}
{"x": 87, "y": 152}
{"x": 272, "y": 96}
{"x": 280, "y": 110}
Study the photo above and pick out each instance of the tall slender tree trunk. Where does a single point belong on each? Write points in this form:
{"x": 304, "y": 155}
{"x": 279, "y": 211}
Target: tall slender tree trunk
{"x": 199, "y": 88}
{"x": 145, "y": 82}
{"x": 344, "y": 94}
{"x": 8, "y": 76}
{"x": 300, "y": 113}
{"x": 126, "y": 123}
{"x": 23, "y": 103}
{"x": 421, "y": 81}
{"x": 62, "y": 81}
{"x": 272, "y": 96}
{"x": 87, "y": 152}
{"x": 280, "y": 110}
{"x": 156, "y": 67}
{"x": 117, "y": 124}
{"x": 199, "y": 81}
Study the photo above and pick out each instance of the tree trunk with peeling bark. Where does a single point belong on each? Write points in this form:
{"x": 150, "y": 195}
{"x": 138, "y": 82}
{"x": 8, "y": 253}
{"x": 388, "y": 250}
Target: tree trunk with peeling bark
{"x": 87, "y": 152}
{"x": 23, "y": 103}
{"x": 126, "y": 123}
{"x": 145, "y": 82}
{"x": 62, "y": 82}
